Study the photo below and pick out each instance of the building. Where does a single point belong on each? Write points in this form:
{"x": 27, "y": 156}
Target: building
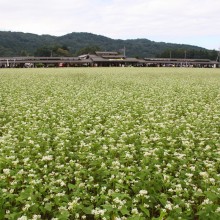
{"x": 166, "y": 62}
{"x": 104, "y": 59}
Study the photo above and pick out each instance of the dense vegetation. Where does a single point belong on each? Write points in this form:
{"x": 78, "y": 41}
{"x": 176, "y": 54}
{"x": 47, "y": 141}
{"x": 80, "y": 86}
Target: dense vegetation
{"x": 109, "y": 144}
{"x": 189, "y": 54}
{"x": 23, "y": 44}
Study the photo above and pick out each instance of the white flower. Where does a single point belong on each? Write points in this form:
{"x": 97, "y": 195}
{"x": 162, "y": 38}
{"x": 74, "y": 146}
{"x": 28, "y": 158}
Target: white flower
{"x": 62, "y": 183}
{"x": 73, "y": 204}
{"x": 26, "y": 207}
{"x": 217, "y": 210}
{"x": 24, "y": 217}
{"x": 143, "y": 192}
{"x": 168, "y": 206}
{"x": 62, "y": 208}
{"x": 212, "y": 180}
{"x": 98, "y": 212}
{"x": 35, "y": 217}
{"x": 206, "y": 202}
{"x": 60, "y": 194}
{"x": 31, "y": 142}
{"x": 20, "y": 172}
{"x": 192, "y": 168}
{"x": 204, "y": 174}
{"x": 189, "y": 175}
{"x": 207, "y": 148}
{"x": 47, "y": 158}
{"x": 134, "y": 211}
{"x": 6, "y": 171}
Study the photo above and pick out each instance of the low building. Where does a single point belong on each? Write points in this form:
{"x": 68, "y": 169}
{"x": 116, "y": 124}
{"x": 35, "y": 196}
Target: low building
{"x": 166, "y": 62}
{"x": 112, "y": 59}
{"x": 104, "y": 59}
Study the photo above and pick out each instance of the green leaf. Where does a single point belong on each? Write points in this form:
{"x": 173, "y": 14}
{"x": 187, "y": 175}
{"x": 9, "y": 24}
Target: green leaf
{"x": 2, "y": 213}
{"x": 161, "y": 217}
{"x": 108, "y": 208}
{"x": 48, "y": 206}
{"x": 201, "y": 212}
{"x": 124, "y": 211}
{"x": 135, "y": 218}
{"x": 163, "y": 199}
{"x": 71, "y": 186}
{"x": 120, "y": 195}
{"x": 64, "y": 215}
{"x": 212, "y": 196}
{"x": 26, "y": 193}
{"x": 87, "y": 210}
{"x": 146, "y": 211}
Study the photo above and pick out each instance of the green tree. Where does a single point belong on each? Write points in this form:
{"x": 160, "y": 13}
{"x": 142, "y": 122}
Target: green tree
{"x": 43, "y": 52}
{"x": 62, "y": 52}
{"x": 88, "y": 50}
{"x": 24, "y": 53}
{"x": 55, "y": 51}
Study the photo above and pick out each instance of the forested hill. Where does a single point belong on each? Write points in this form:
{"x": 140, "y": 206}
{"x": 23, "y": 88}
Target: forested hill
{"x": 27, "y": 44}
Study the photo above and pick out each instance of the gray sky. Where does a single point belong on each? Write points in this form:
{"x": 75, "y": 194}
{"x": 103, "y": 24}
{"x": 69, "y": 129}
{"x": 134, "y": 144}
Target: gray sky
{"x": 195, "y": 22}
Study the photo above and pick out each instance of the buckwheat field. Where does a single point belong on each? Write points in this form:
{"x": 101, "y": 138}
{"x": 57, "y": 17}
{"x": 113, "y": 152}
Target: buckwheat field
{"x": 110, "y": 144}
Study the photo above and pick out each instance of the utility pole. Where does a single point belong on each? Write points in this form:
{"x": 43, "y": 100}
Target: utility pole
{"x": 185, "y": 58}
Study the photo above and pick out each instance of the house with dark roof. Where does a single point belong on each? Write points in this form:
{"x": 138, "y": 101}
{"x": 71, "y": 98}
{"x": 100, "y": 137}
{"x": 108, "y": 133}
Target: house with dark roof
{"x": 112, "y": 59}
{"x": 104, "y": 59}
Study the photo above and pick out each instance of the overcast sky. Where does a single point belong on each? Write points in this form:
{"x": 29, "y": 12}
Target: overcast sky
{"x": 195, "y": 22}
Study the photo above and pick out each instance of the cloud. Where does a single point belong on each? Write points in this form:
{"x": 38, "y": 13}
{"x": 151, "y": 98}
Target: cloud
{"x": 170, "y": 20}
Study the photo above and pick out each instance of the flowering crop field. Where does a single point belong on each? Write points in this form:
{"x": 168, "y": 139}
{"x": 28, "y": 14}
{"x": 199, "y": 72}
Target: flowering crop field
{"x": 110, "y": 143}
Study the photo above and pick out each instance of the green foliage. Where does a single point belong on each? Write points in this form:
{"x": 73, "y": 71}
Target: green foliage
{"x": 109, "y": 143}
{"x": 24, "y": 53}
{"x": 13, "y": 43}
{"x": 39, "y": 65}
{"x": 189, "y": 54}
{"x": 43, "y": 52}
{"x": 88, "y": 50}
{"x": 54, "y": 50}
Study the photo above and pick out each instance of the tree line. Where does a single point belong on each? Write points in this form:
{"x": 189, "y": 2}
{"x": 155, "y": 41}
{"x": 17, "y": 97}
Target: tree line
{"x": 26, "y": 44}
{"x": 63, "y": 51}
{"x": 189, "y": 54}
{"x": 56, "y": 50}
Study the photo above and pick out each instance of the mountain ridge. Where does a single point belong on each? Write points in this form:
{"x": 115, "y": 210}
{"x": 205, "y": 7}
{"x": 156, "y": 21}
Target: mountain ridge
{"x": 20, "y": 43}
